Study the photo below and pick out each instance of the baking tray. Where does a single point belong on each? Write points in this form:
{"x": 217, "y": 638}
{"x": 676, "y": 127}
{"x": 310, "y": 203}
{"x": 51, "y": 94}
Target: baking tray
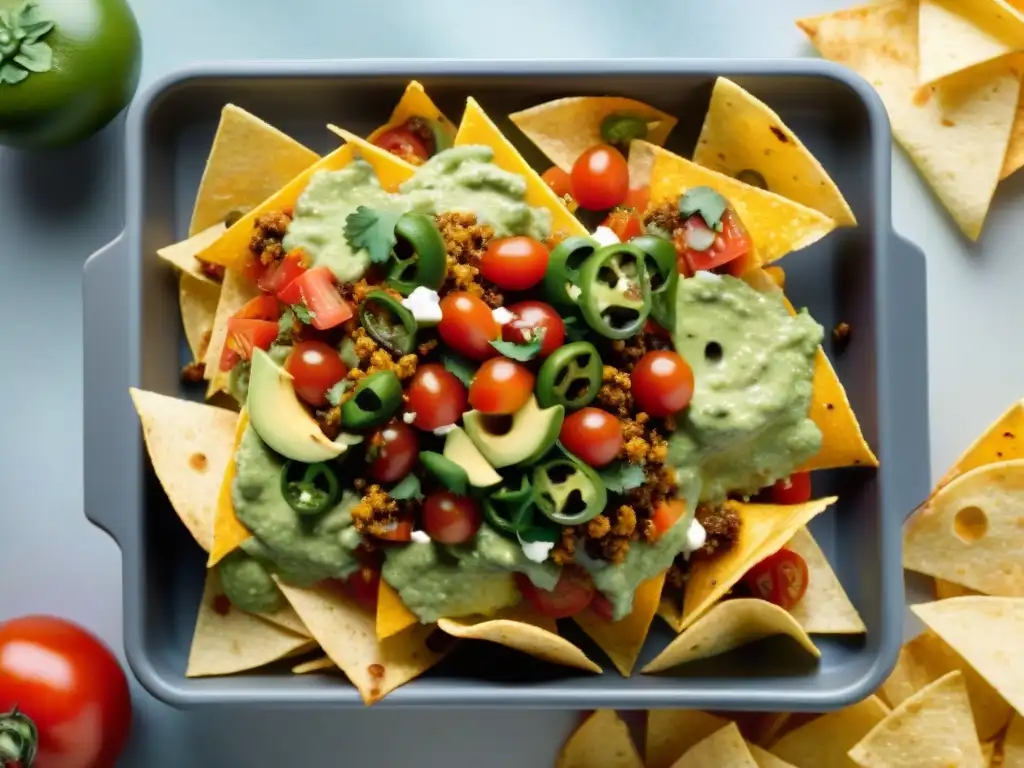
{"x": 865, "y": 276}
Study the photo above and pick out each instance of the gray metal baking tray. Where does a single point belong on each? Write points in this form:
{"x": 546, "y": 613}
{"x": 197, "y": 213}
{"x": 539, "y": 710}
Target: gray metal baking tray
{"x": 866, "y": 276}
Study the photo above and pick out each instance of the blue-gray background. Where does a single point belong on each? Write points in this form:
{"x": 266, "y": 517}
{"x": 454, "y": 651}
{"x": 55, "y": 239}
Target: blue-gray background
{"x": 56, "y": 208}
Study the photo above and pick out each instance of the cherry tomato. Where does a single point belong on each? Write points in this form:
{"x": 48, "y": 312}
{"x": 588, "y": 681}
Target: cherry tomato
{"x": 243, "y": 336}
{"x": 531, "y": 318}
{"x": 260, "y": 308}
{"x": 667, "y": 514}
{"x": 515, "y": 263}
{"x": 730, "y": 244}
{"x": 637, "y": 198}
{"x": 280, "y": 274}
{"x": 500, "y": 386}
{"x": 317, "y": 290}
{"x": 399, "y": 530}
{"x": 70, "y": 686}
{"x": 559, "y": 181}
{"x": 449, "y": 518}
{"x": 467, "y": 325}
{"x": 592, "y": 434}
{"x": 795, "y": 489}
{"x": 571, "y": 594}
{"x": 316, "y": 367}
{"x": 662, "y": 383}
{"x": 404, "y": 143}
{"x": 435, "y": 396}
{"x": 602, "y": 607}
{"x": 393, "y": 450}
{"x": 600, "y": 178}
{"x": 363, "y": 587}
{"x": 624, "y": 223}
{"x": 780, "y": 578}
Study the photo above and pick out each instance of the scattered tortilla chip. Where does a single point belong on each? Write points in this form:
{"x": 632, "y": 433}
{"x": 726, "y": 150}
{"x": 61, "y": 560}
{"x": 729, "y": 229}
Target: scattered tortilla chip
{"x": 602, "y": 741}
{"x": 776, "y": 225}
{"x": 391, "y": 170}
{"x": 955, "y": 132}
{"x": 227, "y": 640}
{"x": 477, "y": 128}
{"x": 824, "y": 741}
{"x": 235, "y": 291}
{"x": 190, "y": 446}
{"x": 1002, "y": 441}
{"x": 725, "y": 748}
{"x": 228, "y": 531}
{"x": 392, "y": 614}
{"x": 322, "y": 664}
{"x": 414, "y": 103}
{"x": 766, "y": 759}
{"x": 955, "y": 35}
{"x": 945, "y": 589}
{"x": 932, "y": 727}
{"x": 182, "y": 255}
{"x": 986, "y": 632}
{"x": 198, "y": 300}
{"x": 824, "y": 608}
{"x": 249, "y": 161}
{"x": 671, "y": 732}
{"x": 565, "y": 128}
{"x": 1013, "y": 743}
{"x": 623, "y": 640}
{"x": 1014, "y": 159}
{"x": 972, "y": 531}
{"x": 742, "y": 133}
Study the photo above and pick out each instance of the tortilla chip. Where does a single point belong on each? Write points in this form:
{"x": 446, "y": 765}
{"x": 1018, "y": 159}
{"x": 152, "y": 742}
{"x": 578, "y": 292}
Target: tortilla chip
{"x": 228, "y": 531}
{"x": 766, "y": 759}
{"x": 322, "y": 664}
{"x": 235, "y": 291}
{"x": 972, "y": 531}
{"x": 671, "y": 732}
{"x": 932, "y": 727}
{"x": 729, "y": 625}
{"x": 249, "y": 161}
{"x": 776, "y": 225}
{"x": 346, "y": 633}
{"x": 1002, "y": 441}
{"x": 414, "y": 103}
{"x": 477, "y": 128}
{"x": 198, "y": 300}
{"x": 623, "y": 640}
{"x": 946, "y": 589}
{"x": 956, "y": 132}
{"x": 641, "y": 164}
{"x": 742, "y": 133}
{"x": 824, "y": 741}
{"x": 986, "y": 632}
{"x": 671, "y": 610}
{"x": 764, "y": 530}
{"x": 1014, "y": 159}
{"x": 601, "y": 741}
{"x": 565, "y": 128}
{"x": 286, "y": 618}
{"x": 392, "y": 614}
{"x": 391, "y": 170}
{"x": 955, "y": 35}
{"x": 924, "y": 660}
{"x": 190, "y": 446}
{"x": 725, "y": 748}
{"x": 824, "y": 609}
{"x": 1013, "y": 743}
{"x": 228, "y": 640}
{"x": 182, "y": 255}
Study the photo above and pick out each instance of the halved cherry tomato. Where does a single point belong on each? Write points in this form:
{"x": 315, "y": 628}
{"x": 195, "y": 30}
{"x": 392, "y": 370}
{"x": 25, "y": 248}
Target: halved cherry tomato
{"x": 281, "y": 273}
{"x": 795, "y": 489}
{"x": 572, "y": 593}
{"x": 398, "y": 530}
{"x": 500, "y": 386}
{"x": 624, "y": 223}
{"x": 662, "y": 383}
{"x": 559, "y": 181}
{"x": 316, "y": 367}
{"x": 637, "y": 198}
{"x": 404, "y": 143}
{"x": 731, "y": 243}
{"x": 260, "y": 308}
{"x": 533, "y": 317}
{"x": 592, "y": 434}
{"x": 316, "y": 289}
{"x": 243, "y": 337}
{"x": 780, "y": 578}
{"x": 667, "y": 514}
{"x": 600, "y": 178}
{"x": 363, "y": 586}
{"x": 515, "y": 263}
{"x": 602, "y": 607}
{"x": 435, "y": 396}
{"x": 449, "y": 518}
{"x": 467, "y": 325}
{"x": 393, "y": 450}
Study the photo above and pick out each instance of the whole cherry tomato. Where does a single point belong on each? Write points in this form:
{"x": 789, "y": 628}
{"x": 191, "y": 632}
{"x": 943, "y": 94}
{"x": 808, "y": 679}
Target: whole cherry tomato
{"x": 662, "y": 383}
{"x": 449, "y": 518}
{"x": 468, "y": 326}
{"x": 500, "y": 386}
{"x": 436, "y": 396}
{"x": 600, "y": 178}
{"x": 316, "y": 367}
{"x": 515, "y": 263}
{"x": 393, "y": 450}
{"x": 592, "y": 434}
{"x": 532, "y": 317}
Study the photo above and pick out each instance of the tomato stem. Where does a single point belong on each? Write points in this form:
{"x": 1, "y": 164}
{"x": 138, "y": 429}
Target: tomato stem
{"x": 19, "y": 740}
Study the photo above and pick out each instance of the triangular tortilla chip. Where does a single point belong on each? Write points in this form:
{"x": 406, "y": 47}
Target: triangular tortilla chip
{"x": 182, "y": 255}
{"x": 249, "y": 161}
{"x": 725, "y": 748}
{"x": 414, "y": 103}
{"x": 729, "y": 625}
{"x": 1014, "y": 159}
{"x": 392, "y": 614}
{"x": 824, "y": 608}
{"x": 766, "y": 759}
{"x": 956, "y": 132}
{"x": 391, "y": 170}
{"x": 1002, "y": 441}
{"x": 477, "y": 128}
{"x": 602, "y": 740}
{"x": 322, "y": 664}
{"x": 824, "y": 741}
{"x": 986, "y": 632}
{"x": 228, "y": 531}
{"x": 932, "y": 727}
{"x": 776, "y": 225}
{"x": 972, "y": 531}
{"x": 623, "y": 640}
{"x": 565, "y": 128}
{"x": 190, "y": 446}
{"x": 1013, "y": 743}
{"x": 198, "y": 300}
{"x": 671, "y": 732}
{"x": 764, "y": 530}
{"x": 235, "y": 292}
{"x": 671, "y": 610}
{"x": 946, "y": 589}
{"x": 742, "y": 133}
{"x": 641, "y": 164}
{"x": 287, "y": 618}
{"x": 954, "y": 35}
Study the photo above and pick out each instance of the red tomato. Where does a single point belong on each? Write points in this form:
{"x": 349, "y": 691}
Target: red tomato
{"x": 515, "y": 263}
{"x": 399, "y": 530}
{"x": 600, "y": 178}
{"x": 662, "y": 383}
{"x": 252, "y": 269}
{"x": 637, "y": 198}
{"x": 624, "y": 223}
{"x": 795, "y": 489}
{"x": 316, "y": 289}
{"x": 404, "y": 143}
{"x": 316, "y": 367}
{"x": 363, "y": 587}
{"x": 531, "y": 317}
{"x": 559, "y": 181}
{"x": 729, "y": 244}
{"x": 260, "y": 308}
{"x": 571, "y": 594}
{"x": 592, "y": 434}
{"x": 450, "y": 519}
{"x": 602, "y": 607}
{"x": 467, "y": 325}
{"x": 500, "y": 386}
{"x": 667, "y": 514}
{"x": 281, "y": 273}
{"x": 70, "y": 686}
{"x": 780, "y": 578}
{"x": 435, "y": 396}
{"x": 243, "y": 337}
{"x": 394, "y": 449}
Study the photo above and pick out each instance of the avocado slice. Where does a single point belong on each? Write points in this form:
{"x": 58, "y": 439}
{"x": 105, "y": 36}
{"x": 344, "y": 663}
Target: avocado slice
{"x": 280, "y": 419}
{"x": 531, "y": 434}
{"x": 448, "y": 473}
{"x": 460, "y": 450}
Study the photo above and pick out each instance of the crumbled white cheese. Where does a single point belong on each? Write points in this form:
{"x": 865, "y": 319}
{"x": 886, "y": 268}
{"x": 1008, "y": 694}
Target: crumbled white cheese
{"x": 502, "y": 316}
{"x": 574, "y": 291}
{"x": 420, "y": 537}
{"x": 444, "y": 430}
{"x": 707, "y": 277}
{"x": 537, "y": 551}
{"x": 605, "y": 236}
{"x": 424, "y": 304}
{"x": 409, "y": 417}
{"x": 695, "y": 538}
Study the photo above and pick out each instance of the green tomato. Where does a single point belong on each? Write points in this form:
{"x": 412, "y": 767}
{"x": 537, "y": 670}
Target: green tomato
{"x": 61, "y": 83}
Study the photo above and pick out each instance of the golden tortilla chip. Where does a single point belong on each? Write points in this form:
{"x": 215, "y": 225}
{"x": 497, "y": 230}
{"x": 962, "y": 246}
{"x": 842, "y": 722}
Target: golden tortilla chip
{"x": 955, "y": 132}
{"x": 945, "y": 589}
{"x": 287, "y": 618}
{"x": 742, "y": 133}
{"x": 972, "y": 531}
{"x": 671, "y": 610}
{"x": 641, "y": 164}
{"x": 729, "y": 625}
{"x": 183, "y": 255}
{"x": 725, "y": 748}
{"x": 623, "y": 640}
{"x": 932, "y": 727}
{"x": 824, "y": 741}
{"x": 190, "y": 446}
{"x": 391, "y": 170}
{"x": 249, "y": 161}
{"x": 565, "y": 128}
{"x": 601, "y": 741}
{"x": 322, "y": 664}
{"x": 825, "y": 608}
{"x": 1014, "y": 159}
{"x": 1013, "y": 743}
{"x": 414, "y": 103}
{"x": 671, "y": 732}
{"x": 198, "y": 300}
{"x": 766, "y": 759}
{"x": 986, "y": 632}
{"x": 764, "y": 530}
{"x": 777, "y": 226}
{"x": 392, "y": 614}
{"x": 228, "y": 531}
{"x": 955, "y": 35}
{"x": 1002, "y": 441}
{"x": 235, "y": 292}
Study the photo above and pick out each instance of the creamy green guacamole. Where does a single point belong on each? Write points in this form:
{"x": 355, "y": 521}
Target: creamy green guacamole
{"x": 248, "y": 583}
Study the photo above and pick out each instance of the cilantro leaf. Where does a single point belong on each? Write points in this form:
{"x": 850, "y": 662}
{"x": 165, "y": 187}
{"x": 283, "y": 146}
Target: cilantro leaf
{"x": 373, "y": 230}
{"x": 522, "y": 352}
{"x": 406, "y": 489}
{"x": 285, "y": 324}
{"x": 460, "y": 368}
{"x": 574, "y": 329}
{"x": 707, "y": 202}
{"x": 303, "y": 313}
{"x": 334, "y": 393}
{"x": 622, "y": 476}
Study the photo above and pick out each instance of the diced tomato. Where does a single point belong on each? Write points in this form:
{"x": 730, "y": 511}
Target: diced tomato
{"x": 572, "y": 593}
{"x": 637, "y": 198}
{"x": 253, "y": 269}
{"x": 667, "y": 514}
{"x": 602, "y": 607}
{"x": 260, "y": 308}
{"x": 795, "y": 489}
{"x": 624, "y": 223}
{"x": 780, "y": 578}
{"x": 405, "y": 144}
{"x": 283, "y": 272}
{"x": 399, "y": 530}
{"x": 363, "y": 586}
{"x": 243, "y": 337}
{"x": 316, "y": 289}
{"x": 731, "y": 243}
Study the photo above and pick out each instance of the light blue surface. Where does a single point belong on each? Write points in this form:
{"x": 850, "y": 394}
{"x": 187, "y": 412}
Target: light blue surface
{"x": 57, "y": 208}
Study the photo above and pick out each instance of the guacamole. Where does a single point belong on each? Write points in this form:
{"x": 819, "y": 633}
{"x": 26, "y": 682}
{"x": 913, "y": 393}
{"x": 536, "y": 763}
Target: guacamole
{"x": 248, "y": 584}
